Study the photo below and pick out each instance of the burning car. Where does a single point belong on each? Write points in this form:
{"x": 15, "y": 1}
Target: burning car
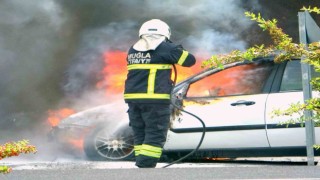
{"x": 235, "y": 103}
{"x": 101, "y": 132}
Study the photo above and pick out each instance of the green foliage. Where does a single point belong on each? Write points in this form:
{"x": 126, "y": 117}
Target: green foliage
{"x": 237, "y": 56}
{"x": 314, "y": 9}
{"x": 286, "y": 50}
{"x": 14, "y": 149}
{"x": 311, "y": 53}
{"x": 282, "y": 43}
{"x": 5, "y": 169}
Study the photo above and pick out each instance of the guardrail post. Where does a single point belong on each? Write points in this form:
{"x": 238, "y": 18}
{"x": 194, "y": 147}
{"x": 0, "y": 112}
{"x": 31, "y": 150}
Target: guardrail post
{"x": 306, "y": 27}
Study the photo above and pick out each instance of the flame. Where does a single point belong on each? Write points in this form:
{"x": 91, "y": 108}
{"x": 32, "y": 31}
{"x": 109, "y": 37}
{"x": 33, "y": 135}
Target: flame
{"x": 55, "y": 116}
{"x": 224, "y": 82}
{"x": 77, "y": 143}
{"x": 217, "y": 159}
{"x": 185, "y": 72}
{"x": 115, "y": 72}
{"x": 114, "y": 75}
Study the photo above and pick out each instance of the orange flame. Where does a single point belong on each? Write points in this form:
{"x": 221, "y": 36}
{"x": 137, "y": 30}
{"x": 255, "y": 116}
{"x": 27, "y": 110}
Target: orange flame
{"x": 55, "y": 116}
{"x": 224, "y": 82}
{"x": 114, "y": 75}
{"x": 115, "y": 72}
{"x": 77, "y": 143}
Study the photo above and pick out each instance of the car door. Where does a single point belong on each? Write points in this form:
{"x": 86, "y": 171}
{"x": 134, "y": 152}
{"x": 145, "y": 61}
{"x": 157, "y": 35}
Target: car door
{"x": 287, "y": 89}
{"x": 231, "y": 103}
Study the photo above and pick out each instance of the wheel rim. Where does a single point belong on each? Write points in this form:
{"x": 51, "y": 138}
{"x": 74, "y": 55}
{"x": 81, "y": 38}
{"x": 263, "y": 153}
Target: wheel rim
{"x": 114, "y": 147}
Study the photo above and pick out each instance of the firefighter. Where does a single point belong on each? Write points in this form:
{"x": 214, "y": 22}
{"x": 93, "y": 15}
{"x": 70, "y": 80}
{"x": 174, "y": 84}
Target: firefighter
{"x": 148, "y": 87}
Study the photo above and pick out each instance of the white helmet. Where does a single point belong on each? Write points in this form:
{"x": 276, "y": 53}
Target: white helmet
{"x": 155, "y": 26}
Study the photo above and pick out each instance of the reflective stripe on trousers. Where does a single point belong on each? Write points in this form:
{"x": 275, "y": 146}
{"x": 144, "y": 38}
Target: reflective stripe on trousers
{"x": 148, "y": 150}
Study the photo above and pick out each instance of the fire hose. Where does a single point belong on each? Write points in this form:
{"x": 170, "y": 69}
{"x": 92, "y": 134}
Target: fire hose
{"x": 195, "y": 116}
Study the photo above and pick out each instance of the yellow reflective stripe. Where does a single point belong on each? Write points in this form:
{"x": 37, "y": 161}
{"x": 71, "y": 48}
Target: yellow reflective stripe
{"x": 146, "y": 96}
{"x": 151, "y": 80}
{"x": 149, "y": 66}
{"x": 151, "y": 151}
{"x": 183, "y": 57}
{"x": 151, "y": 148}
{"x": 137, "y": 149}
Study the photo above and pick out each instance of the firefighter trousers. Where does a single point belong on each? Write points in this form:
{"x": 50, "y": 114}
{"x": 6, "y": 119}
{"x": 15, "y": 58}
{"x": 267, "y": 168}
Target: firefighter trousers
{"x": 150, "y": 124}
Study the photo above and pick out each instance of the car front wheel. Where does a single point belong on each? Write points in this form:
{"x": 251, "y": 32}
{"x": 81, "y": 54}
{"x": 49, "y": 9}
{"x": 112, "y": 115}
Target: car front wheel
{"x": 105, "y": 144}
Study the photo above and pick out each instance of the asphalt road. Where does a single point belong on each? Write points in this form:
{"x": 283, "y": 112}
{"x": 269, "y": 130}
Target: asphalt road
{"x": 270, "y": 172}
{"x": 84, "y": 170}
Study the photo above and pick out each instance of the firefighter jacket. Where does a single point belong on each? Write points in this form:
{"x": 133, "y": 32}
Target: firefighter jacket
{"x": 149, "y": 72}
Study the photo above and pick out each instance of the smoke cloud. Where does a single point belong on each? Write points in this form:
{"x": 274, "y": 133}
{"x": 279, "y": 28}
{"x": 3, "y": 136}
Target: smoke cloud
{"x": 52, "y": 49}
{"x": 203, "y": 27}
{"x": 32, "y": 55}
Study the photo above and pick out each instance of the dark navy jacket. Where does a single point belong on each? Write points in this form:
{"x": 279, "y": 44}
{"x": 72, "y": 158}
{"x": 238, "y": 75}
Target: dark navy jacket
{"x": 149, "y": 72}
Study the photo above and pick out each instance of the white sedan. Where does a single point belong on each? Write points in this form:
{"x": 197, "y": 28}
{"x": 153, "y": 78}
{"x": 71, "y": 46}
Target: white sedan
{"x": 235, "y": 104}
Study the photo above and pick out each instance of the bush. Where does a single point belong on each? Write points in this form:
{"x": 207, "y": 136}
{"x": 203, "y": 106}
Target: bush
{"x": 14, "y": 149}
{"x": 283, "y": 49}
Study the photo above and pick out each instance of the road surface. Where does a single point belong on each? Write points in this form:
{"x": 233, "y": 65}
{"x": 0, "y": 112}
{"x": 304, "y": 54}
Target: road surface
{"x": 241, "y": 169}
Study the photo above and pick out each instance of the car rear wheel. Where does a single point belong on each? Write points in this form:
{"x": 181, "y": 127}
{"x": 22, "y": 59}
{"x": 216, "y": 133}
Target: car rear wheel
{"x": 105, "y": 144}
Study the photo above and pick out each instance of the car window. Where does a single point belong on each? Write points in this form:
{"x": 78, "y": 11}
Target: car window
{"x": 238, "y": 80}
{"x": 292, "y": 77}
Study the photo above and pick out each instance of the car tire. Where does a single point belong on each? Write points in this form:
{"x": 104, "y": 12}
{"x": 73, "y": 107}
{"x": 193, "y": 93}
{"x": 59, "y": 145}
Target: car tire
{"x": 103, "y": 144}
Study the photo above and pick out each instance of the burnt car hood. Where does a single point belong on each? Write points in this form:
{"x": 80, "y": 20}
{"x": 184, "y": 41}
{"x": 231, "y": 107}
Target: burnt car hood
{"x": 91, "y": 117}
